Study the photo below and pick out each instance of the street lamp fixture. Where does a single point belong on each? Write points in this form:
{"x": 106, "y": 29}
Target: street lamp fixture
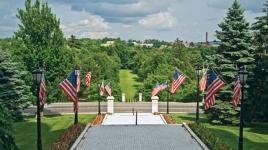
{"x": 77, "y": 72}
{"x": 99, "y": 85}
{"x": 198, "y": 69}
{"x": 37, "y": 76}
{"x": 243, "y": 74}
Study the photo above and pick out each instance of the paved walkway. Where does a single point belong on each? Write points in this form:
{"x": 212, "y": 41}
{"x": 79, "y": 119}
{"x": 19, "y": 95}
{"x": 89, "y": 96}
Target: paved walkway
{"x": 130, "y": 119}
{"x": 141, "y": 137}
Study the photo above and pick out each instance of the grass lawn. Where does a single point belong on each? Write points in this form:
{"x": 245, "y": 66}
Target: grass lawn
{"x": 52, "y": 128}
{"x": 255, "y": 135}
{"x": 128, "y": 83}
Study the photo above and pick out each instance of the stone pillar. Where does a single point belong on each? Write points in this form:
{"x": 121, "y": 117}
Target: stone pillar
{"x": 155, "y": 104}
{"x": 140, "y": 97}
{"x": 110, "y": 104}
{"x": 123, "y": 97}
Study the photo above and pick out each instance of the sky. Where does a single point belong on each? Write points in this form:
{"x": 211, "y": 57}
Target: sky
{"x": 188, "y": 20}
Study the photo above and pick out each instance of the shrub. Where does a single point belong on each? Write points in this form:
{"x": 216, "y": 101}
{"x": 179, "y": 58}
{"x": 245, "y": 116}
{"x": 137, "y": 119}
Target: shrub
{"x": 212, "y": 142}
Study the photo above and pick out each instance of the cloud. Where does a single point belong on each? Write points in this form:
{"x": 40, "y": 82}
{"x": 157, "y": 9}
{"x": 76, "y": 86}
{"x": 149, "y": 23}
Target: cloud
{"x": 93, "y": 27}
{"x": 249, "y": 5}
{"x": 119, "y": 11}
{"x": 161, "y": 20}
{"x": 94, "y": 34}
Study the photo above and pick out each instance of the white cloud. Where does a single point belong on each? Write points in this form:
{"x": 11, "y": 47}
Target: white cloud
{"x": 161, "y": 20}
{"x": 95, "y": 34}
{"x": 92, "y": 27}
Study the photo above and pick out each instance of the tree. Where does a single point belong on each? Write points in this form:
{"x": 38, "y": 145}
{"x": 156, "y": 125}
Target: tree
{"x": 42, "y": 44}
{"x": 6, "y": 139}
{"x": 258, "y": 95}
{"x": 234, "y": 51}
{"x": 15, "y": 94}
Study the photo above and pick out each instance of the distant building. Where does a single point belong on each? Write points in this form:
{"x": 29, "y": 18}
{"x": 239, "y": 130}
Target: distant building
{"x": 108, "y": 43}
{"x": 149, "y": 45}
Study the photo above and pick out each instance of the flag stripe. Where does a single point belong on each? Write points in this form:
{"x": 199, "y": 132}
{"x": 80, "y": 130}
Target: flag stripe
{"x": 215, "y": 84}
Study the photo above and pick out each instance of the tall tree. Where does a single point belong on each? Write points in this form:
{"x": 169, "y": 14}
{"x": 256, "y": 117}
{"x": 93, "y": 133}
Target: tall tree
{"x": 258, "y": 95}
{"x": 42, "y": 44}
{"x": 234, "y": 51}
{"x": 15, "y": 94}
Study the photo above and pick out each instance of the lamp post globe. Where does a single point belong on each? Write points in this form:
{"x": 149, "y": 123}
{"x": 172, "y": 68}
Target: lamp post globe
{"x": 198, "y": 69}
{"x": 37, "y": 76}
{"x": 243, "y": 74}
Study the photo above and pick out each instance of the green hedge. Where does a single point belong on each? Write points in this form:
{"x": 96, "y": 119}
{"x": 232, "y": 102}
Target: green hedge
{"x": 212, "y": 142}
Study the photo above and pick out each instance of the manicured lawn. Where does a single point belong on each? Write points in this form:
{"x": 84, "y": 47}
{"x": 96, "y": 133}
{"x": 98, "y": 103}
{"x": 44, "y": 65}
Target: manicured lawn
{"x": 255, "y": 135}
{"x": 52, "y": 128}
{"x": 128, "y": 83}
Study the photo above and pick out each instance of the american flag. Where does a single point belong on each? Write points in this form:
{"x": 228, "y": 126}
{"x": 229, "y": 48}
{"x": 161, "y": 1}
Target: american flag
{"x": 178, "y": 79}
{"x": 77, "y": 73}
{"x": 69, "y": 87}
{"x": 156, "y": 89}
{"x": 203, "y": 82}
{"x": 88, "y": 79}
{"x": 164, "y": 86}
{"x": 214, "y": 85}
{"x": 42, "y": 91}
{"x": 102, "y": 89}
{"x": 237, "y": 92}
{"x": 108, "y": 89}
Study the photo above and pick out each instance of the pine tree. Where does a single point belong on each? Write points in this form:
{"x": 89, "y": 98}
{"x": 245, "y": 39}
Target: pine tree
{"x": 234, "y": 51}
{"x": 14, "y": 93}
{"x": 258, "y": 94}
{"x": 6, "y": 138}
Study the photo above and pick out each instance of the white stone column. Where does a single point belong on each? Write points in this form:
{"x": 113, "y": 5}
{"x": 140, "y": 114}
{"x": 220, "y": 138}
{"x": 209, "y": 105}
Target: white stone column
{"x": 155, "y": 104}
{"x": 123, "y": 97}
{"x": 110, "y": 104}
{"x": 140, "y": 97}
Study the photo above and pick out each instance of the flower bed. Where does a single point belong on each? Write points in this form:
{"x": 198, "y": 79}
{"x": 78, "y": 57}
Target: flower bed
{"x": 69, "y": 136}
{"x": 98, "y": 120}
{"x": 169, "y": 119}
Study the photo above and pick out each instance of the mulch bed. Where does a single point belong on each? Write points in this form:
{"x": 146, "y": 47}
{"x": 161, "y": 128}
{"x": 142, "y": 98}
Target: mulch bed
{"x": 98, "y": 120}
{"x": 69, "y": 136}
{"x": 169, "y": 119}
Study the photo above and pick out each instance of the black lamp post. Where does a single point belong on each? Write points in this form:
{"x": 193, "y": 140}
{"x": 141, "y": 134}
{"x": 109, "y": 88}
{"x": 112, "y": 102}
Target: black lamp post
{"x": 198, "y": 69}
{"x": 99, "y": 85}
{"x": 77, "y": 72}
{"x": 243, "y": 74}
{"x": 167, "y": 99}
{"x": 37, "y": 76}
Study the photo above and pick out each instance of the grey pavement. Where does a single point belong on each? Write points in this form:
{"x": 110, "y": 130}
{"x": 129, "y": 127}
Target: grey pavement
{"x": 140, "y": 137}
{"x": 119, "y": 107}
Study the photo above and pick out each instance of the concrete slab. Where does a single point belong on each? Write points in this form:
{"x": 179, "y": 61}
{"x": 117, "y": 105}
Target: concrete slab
{"x": 141, "y": 137}
{"x": 130, "y": 119}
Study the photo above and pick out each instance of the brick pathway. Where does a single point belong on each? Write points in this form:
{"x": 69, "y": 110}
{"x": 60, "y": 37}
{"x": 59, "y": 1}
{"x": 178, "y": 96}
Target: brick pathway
{"x": 141, "y": 137}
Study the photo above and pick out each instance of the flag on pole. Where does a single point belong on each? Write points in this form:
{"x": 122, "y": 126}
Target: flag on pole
{"x": 203, "y": 82}
{"x": 237, "y": 92}
{"x": 42, "y": 91}
{"x": 69, "y": 87}
{"x": 156, "y": 89}
{"x": 88, "y": 79}
{"x": 178, "y": 79}
{"x": 164, "y": 86}
{"x": 102, "y": 89}
{"x": 108, "y": 89}
{"x": 214, "y": 85}
{"x": 77, "y": 73}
